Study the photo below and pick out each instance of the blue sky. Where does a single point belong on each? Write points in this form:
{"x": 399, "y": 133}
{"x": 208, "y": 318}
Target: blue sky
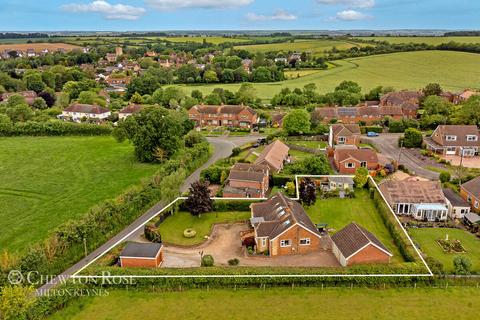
{"x": 123, "y": 15}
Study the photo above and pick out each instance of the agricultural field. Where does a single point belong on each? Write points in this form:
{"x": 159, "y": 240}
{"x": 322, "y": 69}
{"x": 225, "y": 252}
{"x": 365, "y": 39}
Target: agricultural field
{"x": 46, "y": 181}
{"x": 214, "y": 40}
{"x": 38, "y": 46}
{"x": 454, "y": 71}
{"x": 284, "y": 303}
{"x": 426, "y": 239}
{"x": 316, "y": 47}
{"x": 338, "y": 213}
{"x": 427, "y": 40}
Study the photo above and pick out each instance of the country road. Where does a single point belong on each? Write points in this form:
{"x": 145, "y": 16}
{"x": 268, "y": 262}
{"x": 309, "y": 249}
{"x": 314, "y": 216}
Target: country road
{"x": 223, "y": 147}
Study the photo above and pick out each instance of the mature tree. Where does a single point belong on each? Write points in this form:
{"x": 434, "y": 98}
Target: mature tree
{"x": 240, "y": 75}
{"x": 5, "y": 122}
{"x": 34, "y": 82}
{"x": 152, "y": 129}
{"x": 213, "y": 99}
{"x": 39, "y": 104}
{"x": 172, "y": 93}
{"x": 145, "y": 84}
{"x": 210, "y": 76}
{"x": 470, "y": 111}
{"x": 14, "y": 100}
{"x": 197, "y": 94}
{"x": 136, "y": 98}
{"x": 432, "y": 89}
{"x": 246, "y": 94}
{"x": 233, "y": 62}
{"x": 412, "y": 138}
{"x": 228, "y": 76}
{"x": 297, "y": 122}
{"x": 157, "y": 96}
{"x": 375, "y": 93}
{"x": 199, "y": 200}
{"x": 310, "y": 165}
{"x": 49, "y": 98}
{"x": 20, "y": 113}
{"x": 437, "y": 105}
{"x": 349, "y": 86}
{"x": 186, "y": 73}
{"x": 262, "y": 74}
{"x": 308, "y": 192}
{"x": 462, "y": 265}
{"x": 361, "y": 177}
{"x": 74, "y": 88}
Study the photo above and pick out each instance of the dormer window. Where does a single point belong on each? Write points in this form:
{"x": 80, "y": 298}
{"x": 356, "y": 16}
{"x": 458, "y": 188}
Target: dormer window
{"x": 286, "y": 222}
{"x": 451, "y": 138}
{"x": 471, "y": 137}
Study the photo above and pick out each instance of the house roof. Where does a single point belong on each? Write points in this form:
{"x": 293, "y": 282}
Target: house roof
{"x": 277, "y": 214}
{"x": 353, "y": 238}
{"x": 248, "y": 172}
{"x": 274, "y": 154}
{"x": 472, "y": 186}
{"x": 454, "y": 198}
{"x": 141, "y": 250}
{"x": 406, "y": 99}
{"x": 460, "y": 131}
{"x": 412, "y": 192}
{"x": 390, "y": 110}
{"x": 366, "y": 154}
{"x": 217, "y": 109}
{"x": 86, "y": 108}
{"x": 345, "y": 129}
{"x": 241, "y": 191}
{"x": 133, "y": 108}
{"x": 473, "y": 218}
{"x": 324, "y": 112}
{"x": 338, "y": 179}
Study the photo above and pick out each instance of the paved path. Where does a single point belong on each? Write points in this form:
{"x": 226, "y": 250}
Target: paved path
{"x": 222, "y": 148}
{"x": 387, "y": 144}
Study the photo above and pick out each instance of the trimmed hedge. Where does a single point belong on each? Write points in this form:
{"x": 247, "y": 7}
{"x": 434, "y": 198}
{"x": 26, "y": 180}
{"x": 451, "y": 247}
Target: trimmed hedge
{"x": 377, "y": 129}
{"x": 54, "y": 128}
{"x": 229, "y": 205}
{"x": 281, "y": 180}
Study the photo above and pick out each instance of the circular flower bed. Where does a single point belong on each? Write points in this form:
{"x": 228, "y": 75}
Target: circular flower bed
{"x": 189, "y": 233}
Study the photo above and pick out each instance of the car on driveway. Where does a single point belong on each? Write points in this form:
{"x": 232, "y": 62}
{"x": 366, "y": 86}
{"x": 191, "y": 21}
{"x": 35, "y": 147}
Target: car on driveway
{"x": 372, "y": 134}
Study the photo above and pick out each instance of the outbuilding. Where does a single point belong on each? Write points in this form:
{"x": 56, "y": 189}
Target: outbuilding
{"x": 141, "y": 255}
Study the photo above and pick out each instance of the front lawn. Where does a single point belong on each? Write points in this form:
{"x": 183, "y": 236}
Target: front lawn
{"x": 172, "y": 228}
{"x": 310, "y": 144}
{"x": 299, "y": 155}
{"x": 338, "y": 213}
{"x": 426, "y": 240}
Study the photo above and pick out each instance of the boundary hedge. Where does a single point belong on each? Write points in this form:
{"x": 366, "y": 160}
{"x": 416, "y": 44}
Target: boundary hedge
{"x": 54, "y": 128}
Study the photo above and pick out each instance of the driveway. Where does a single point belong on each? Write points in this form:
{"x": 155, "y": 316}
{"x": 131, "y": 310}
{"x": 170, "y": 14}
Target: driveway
{"x": 387, "y": 144}
{"x": 473, "y": 162}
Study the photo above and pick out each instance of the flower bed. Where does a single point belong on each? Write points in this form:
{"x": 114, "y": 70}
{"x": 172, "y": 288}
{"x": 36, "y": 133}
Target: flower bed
{"x": 451, "y": 246}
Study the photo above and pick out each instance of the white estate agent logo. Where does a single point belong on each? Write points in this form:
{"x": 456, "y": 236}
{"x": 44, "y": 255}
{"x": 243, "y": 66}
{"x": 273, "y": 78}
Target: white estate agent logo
{"x": 15, "y": 277}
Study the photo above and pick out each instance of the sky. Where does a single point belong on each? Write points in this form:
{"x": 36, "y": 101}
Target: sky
{"x": 157, "y": 15}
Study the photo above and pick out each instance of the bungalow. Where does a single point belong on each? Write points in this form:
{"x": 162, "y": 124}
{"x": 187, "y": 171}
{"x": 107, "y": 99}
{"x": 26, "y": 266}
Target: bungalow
{"x": 457, "y": 206}
{"x": 347, "y": 160}
{"x": 274, "y": 156}
{"x": 223, "y": 115}
{"x": 129, "y": 110}
{"x": 141, "y": 255}
{"x": 355, "y": 245}
{"x": 455, "y": 140}
{"x": 344, "y": 134}
{"x": 332, "y": 183}
{"x": 77, "y": 111}
{"x": 247, "y": 181}
{"x": 423, "y": 200}
{"x": 282, "y": 227}
{"x": 470, "y": 192}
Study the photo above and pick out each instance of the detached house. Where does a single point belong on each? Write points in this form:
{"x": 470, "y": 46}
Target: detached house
{"x": 409, "y": 101}
{"x": 77, "y": 111}
{"x": 455, "y": 140}
{"x": 247, "y": 181}
{"x": 423, "y": 200}
{"x": 223, "y": 115}
{"x": 348, "y": 160}
{"x": 282, "y": 227}
{"x": 470, "y": 191}
{"x": 129, "y": 110}
{"x": 274, "y": 156}
{"x": 28, "y": 95}
{"x": 344, "y": 134}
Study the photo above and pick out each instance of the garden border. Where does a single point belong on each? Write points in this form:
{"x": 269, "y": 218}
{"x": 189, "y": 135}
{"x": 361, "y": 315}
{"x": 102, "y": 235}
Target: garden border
{"x": 429, "y": 274}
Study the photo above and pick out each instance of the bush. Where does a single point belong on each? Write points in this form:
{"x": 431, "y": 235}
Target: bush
{"x": 54, "y": 128}
{"x": 214, "y": 174}
{"x": 236, "y": 151}
{"x": 152, "y": 233}
{"x": 227, "y": 205}
{"x": 207, "y": 260}
{"x": 377, "y": 129}
{"x": 412, "y": 138}
{"x": 445, "y": 176}
{"x": 280, "y": 180}
{"x": 189, "y": 233}
{"x": 233, "y": 262}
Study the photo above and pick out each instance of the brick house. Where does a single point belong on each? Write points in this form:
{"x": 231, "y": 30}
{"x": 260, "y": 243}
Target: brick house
{"x": 347, "y": 160}
{"x": 77, "y": 111}
{"x": 470, "y": 192}
{"x": 355, "y": 245}
{"x": 141, "y": 255}
{"x": 455, "y": 140}
{"x": 129, "y": 110}
{"x": 465, "y": 95}
{"x": 275, "y": 155}
{"x": 409, "y": 101}
{"x": 247, "y": 181}
{"x": 282, "y": 227}
{"x": 239, "y": 116}
{"x": 353, "y": 115}
{"x": 344, "y": 134}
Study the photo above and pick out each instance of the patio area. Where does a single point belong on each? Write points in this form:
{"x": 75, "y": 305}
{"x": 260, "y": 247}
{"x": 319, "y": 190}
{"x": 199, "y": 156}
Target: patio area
{"x": 467, "y": 162}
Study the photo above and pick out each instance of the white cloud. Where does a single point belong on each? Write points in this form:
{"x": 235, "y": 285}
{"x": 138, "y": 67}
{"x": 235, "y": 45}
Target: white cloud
{"x": 351, "y": 15}
{"x": 109, "y": 11}
{"x": 349, "y": 3}
{"x": 277, "y": 15}
{"x": 169, "y": 5}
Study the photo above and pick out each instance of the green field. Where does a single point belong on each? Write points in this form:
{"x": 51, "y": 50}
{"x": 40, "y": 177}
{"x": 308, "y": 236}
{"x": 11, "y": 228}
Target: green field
{"x": 407, "y": 70}
{"x": 426, "y": 238}
{"x": 47, "y": 180}
{"x": 427, "y": 40}
{"x": 316, "y": 47}
{"x": 279, "y": 303}
{"x": 340, "y": 212}
{"x": 172, "y": 228}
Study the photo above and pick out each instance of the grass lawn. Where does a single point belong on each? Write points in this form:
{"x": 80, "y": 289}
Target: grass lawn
{"x": 172, "y": 228}
{"x": 412, "y": 70}
{"x": 310, "y": 144}
{"x": 426, "y": 238}
{"x": 46, "y": 181}
{"x": 281, "y": 303}
{"x": 299, "y": 155}
{"x": 340, "y": 212}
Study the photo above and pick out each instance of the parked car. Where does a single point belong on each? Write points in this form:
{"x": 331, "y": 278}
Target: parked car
{"x": 372, "y": 134}
{"x": 262, "y": 141}
{"x": 256, "y": 145}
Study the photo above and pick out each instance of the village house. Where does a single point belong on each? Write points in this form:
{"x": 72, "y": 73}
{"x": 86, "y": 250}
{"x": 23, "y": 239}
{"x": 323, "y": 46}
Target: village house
{"x": 355, "y": 245}
{"x": 239, "y": 116}
{"x": 247, "y": 181}
{"x": 117, "y": 83}
{"x": 470, "y": 192}
{"x": 457, "y": 206}
{"x": 348, "y": 160}
{"x": 141, "y": 255}
{"x": 129, "y": 110}
{"x": 77, "y": 111}
{"x": 344, "y": 134}
{"x": 465, "y": 95}
{"x": 353, "y": 115}
{"x": 29, "y": 96}
{"x": 282, "y": 227}
{"x": 422, "y": 200}
{"x": 247, "y": 65}
{"x": 409, "y": 101}
{"x": 277, "y": 120}
{"x": 462, "y": 140}
{"x": 275, "y": 155}
{"x": 333, "y": 183}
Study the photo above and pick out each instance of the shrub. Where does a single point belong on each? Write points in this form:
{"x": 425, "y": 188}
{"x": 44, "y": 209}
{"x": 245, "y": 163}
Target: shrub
{"x": 189, "y": 233}
{"x": 377, "y": 129}
{"x": 412, "y": 138}
{"x": 445, "y": 176}
{"x": 54, "y": 128}
{"x": 236, "y": 151}
{"x": 462, "y": 265}
{"x": 233, "y": 262}
{"x": 280, "y": 180}
{"x": 227, "y": 205}
{"x": 207, "y": 260}
{"x": 152, "y": 233}
{"x": 435, "y": 265}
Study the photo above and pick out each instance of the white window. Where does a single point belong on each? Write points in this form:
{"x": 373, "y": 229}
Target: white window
{"x": 264, "y": 242}
{"x": 341, "y": 140}
{"x": 471, "y": 137}
{"x": 476, "y": 204}
{"x": 451, "y": 138}
{"x": 284, "y": 243}
{"x": 349, "y": 165}
{"x": 305, "y": 241}
{"x": 363, "y": 164}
